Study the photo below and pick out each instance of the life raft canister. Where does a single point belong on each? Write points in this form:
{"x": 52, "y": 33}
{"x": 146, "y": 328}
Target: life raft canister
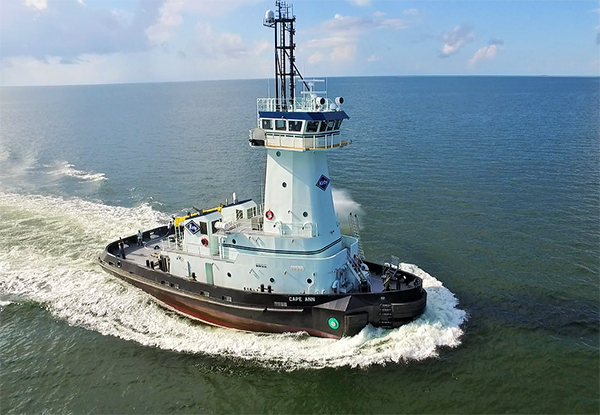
{"x": 204, "y": 242}
{"x": 269, "y": 215}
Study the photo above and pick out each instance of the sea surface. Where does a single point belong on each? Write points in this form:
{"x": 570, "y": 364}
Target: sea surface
{"x": 487, "y": 187}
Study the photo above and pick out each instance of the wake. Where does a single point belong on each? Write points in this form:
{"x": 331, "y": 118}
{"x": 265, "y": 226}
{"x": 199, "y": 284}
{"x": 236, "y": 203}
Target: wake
{"x": 51, "y": 245}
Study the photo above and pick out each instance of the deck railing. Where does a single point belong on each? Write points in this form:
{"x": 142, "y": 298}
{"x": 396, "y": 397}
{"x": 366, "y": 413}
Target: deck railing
{"x": 306, "y": 104}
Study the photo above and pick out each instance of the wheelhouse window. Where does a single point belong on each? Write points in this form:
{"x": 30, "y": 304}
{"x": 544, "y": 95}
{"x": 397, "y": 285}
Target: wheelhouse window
{"x": 280, "y": 125}
{"x": 203, "y": 228}
{"x": 338, "y": 123}
{"x": 295, "y": 125}
{"x": 267, "y": 124}
{"x": 330, "y": 125}
{"x": 323, "y": 126}
{"x": 312, "y": 126}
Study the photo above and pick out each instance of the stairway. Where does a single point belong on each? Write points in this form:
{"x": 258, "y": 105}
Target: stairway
{"x": 355, "y": 229}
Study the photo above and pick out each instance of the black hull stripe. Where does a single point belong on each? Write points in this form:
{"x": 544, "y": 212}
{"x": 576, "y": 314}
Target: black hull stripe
{"x": 277, "y": 251}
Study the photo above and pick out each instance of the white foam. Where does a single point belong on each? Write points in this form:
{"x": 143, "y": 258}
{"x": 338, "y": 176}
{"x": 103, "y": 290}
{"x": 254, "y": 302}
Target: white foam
{"x": 14, "y": 168}
{"x": 50, "y": 247}
{"x": 4, "y": 153}
{"x": 63, "y": 168}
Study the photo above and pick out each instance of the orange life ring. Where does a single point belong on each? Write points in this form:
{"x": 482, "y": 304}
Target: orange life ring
{"x": 204, "y": 242}
{"x": 269, "y": 215}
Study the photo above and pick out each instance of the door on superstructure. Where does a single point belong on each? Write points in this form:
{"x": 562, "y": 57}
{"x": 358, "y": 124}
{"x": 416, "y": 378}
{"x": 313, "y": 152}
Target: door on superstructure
{"x": 209, "y": 273}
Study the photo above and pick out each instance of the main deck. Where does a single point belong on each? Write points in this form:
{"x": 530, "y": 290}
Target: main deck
{"x": 159, "y": 240}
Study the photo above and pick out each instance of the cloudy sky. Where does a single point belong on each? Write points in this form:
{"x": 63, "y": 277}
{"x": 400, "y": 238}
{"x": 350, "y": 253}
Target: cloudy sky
{"x": 57, "y": 42}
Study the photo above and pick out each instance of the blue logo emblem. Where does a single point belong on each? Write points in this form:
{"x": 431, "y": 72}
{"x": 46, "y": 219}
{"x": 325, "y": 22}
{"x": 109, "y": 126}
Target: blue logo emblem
{"x": 323, "y": 182}
{"x": 192, "y": 227}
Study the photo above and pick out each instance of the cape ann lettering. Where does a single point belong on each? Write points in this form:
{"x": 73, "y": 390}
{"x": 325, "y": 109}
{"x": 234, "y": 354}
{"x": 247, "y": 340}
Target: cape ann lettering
{"x": 301, "y": 299}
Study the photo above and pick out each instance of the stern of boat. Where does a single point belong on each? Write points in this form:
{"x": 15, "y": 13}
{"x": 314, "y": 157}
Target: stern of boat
{"x": 348, "y": 315}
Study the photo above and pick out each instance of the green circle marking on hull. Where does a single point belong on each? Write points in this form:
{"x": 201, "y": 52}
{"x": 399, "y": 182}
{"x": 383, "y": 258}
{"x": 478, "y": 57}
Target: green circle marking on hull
{"x": 333, "y": 323}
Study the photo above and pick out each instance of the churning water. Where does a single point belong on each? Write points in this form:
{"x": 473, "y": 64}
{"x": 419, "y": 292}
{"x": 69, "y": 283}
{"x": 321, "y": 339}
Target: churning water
{"x": 489, "y": 185}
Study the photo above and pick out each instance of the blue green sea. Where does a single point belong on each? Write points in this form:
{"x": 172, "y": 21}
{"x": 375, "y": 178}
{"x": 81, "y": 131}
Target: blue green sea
{"x": 488, "y": 187}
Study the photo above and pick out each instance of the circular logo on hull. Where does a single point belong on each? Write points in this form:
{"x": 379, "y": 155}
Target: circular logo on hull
{"x": 333, "y": 323}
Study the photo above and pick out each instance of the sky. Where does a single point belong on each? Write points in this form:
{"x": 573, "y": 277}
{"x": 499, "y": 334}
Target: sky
{"x": 72, "y": 42}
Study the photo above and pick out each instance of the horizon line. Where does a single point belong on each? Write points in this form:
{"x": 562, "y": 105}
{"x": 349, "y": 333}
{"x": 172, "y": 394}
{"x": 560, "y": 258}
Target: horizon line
{"x": 327, "y": 77}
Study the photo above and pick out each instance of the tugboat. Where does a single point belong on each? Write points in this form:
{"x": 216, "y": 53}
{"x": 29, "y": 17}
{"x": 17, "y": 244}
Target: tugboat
{"x": 282, "y": 265}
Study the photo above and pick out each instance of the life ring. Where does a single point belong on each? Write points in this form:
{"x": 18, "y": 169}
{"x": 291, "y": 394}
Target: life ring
{"x": 269, "y": 215}
{"x": 204, "y": 242}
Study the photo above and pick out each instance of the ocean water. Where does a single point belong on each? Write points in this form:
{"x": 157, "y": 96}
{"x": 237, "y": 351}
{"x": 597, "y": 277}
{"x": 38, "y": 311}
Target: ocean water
{"x": 487, "y": 187}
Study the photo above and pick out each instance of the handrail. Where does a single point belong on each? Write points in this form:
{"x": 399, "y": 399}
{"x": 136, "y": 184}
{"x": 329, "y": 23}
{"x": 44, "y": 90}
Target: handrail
{"x": 305, "y": 104}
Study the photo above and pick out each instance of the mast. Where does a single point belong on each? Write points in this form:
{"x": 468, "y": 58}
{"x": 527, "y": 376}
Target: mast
{"x": 285, "y": 69}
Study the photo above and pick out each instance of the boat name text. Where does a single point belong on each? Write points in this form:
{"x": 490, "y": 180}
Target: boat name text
{"x": 301, "y": 299}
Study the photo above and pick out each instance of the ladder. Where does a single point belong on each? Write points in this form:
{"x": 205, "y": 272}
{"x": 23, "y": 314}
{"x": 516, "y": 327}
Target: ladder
{"x": 355, "y": 229}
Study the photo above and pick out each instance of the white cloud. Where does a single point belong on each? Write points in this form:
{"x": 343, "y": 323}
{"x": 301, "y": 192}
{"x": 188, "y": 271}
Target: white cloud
{"x": 88, "y": 45}
{"x": 124, "y": 17}
{"x": 411, "y": 12}
{"x": 316, "y": 58}
{"x": 339, "y": 36}
{"x": 171, "y": 15}
{"x": 67, "y": 30}
{"x": 394, "y": 23}
{"x": 37, "y": 4}
{"x": 343, "y": 53}
{"x": 361, "y": 2}
{"x": 487, "y": 52}
{"x": 355, "y": 25}
{"x": 373, "y": 58}
{"x": 225, "y": 45}
{"x": 168, "y": 19}
{"x": 379, "y": 14}
{"x": 455, "y": 40}
{"x": 154, "y": 65}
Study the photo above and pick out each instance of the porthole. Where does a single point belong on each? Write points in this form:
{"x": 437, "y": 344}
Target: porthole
{"x": 272, "y": 280}
{"x": 305, "y": 214}
{"x": 278, "y": 153}
{"x": 284, "y": 184}
{"x": 233, "y": 241}
{"x": 229, "y": 274}
{"x": 309, "y": 281}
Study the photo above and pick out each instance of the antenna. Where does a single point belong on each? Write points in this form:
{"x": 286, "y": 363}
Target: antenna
{"x": 282, "y": 20}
